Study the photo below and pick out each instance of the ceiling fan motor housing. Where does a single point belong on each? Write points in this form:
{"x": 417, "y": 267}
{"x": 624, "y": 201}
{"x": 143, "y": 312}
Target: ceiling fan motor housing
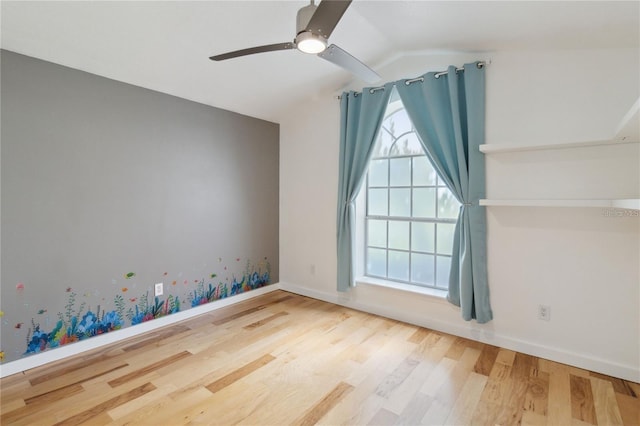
{"x": 304, "y": 16}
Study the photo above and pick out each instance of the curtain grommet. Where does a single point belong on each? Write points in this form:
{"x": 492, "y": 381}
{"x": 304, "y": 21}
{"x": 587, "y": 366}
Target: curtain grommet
{"x": 414, "y": 80}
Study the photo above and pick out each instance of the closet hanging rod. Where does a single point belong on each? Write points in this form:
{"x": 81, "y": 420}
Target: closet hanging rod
{"x": 372, "y": 90}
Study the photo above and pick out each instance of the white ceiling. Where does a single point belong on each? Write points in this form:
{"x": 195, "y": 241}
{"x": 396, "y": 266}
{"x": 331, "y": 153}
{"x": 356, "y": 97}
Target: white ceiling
{"x": 165, "y": 46}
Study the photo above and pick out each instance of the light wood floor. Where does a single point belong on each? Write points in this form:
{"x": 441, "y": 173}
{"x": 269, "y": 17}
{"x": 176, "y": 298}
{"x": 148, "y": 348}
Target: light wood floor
{"x": 285, "y": 359}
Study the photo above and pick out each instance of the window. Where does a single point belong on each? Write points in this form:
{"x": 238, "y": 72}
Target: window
{"x": 410, "y": 213}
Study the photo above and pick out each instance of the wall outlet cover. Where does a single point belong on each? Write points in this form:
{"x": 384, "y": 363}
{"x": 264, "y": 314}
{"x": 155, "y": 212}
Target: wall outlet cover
{"x": 158, "y": 289}
{"x": 544, "y": 312}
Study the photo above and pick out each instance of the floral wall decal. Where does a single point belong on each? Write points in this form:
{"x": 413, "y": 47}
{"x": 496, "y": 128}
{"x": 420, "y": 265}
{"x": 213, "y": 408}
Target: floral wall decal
{"x": 80, "y": 322}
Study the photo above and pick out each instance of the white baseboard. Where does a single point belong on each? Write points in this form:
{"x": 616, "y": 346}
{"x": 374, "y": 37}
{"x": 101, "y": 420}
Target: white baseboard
{"x": 76, "y": 348}
{"x": 627, "y": 372}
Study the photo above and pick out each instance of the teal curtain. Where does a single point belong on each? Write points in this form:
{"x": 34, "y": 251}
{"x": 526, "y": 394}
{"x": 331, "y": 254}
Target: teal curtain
{"x": 360, "y": 117}
{"x": 448, "y": 112}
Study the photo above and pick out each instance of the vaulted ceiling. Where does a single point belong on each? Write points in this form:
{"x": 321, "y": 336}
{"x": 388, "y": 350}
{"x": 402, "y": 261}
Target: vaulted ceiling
{"x": 165, "y": 45}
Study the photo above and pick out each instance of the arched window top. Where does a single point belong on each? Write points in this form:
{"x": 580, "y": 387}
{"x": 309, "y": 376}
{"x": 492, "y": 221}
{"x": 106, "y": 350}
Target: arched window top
{"x": 397, "y": 136}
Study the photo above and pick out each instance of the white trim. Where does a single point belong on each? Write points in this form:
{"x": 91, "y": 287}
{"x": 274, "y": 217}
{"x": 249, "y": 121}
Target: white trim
{"x": 409, "y": 288}
{"x": 76, "y": 348}
{"x": 627, "y": 372}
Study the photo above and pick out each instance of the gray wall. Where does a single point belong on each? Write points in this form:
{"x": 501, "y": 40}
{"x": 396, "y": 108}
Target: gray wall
{"x": 101, "y": 179}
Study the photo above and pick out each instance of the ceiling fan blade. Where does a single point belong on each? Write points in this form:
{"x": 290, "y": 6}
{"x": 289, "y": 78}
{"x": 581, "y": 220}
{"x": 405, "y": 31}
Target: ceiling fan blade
{"x": 252, "y": 50}
{"x": 343, "y": 59}
{"x": 326, "y": 17}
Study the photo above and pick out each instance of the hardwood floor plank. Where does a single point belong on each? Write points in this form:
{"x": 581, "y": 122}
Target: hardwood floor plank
{"x": 512, "y": 407}
{"x": 605, "y": 403}
{"x": 90, "y": 364}
{"x": 239, "y": 373}
{"x": 9, "y": 406}
{"x": 486, "y": 413}
{"x": 428, "y": 354}
{"x": 141, "y": 407}
{"x": 264, "y": 321}
{"x": 530, "y": 418}
{"x": 383, "y": 418}
{"x": 149, "y": 368}
{"x": 498, "y": 385}
{"x": 398, "y": 400}
{"x": 447, "y": 393}
{"x": 559, "y": 410}
{"x": 154, "y": 337}
{"x": 54, "y": 395}
{"x": 324, "y": 405}
{"x": 358, "y": 406}
{"x": 522, "y": 366}
{"x": 619, "y": 386}
{"x": 415, "y": 409}
{"x": 77, "y": 378}
{"x": 515, "y": 391}
{"x": 506, "y": 357}
{"x": 467, "y": 400}
{"x": 233, "y": 316}
{"x": 9, "y": 416}
{"x": 537, "y": 395}
{"x": 233, "y": 312}
{"x": 419, "y": 335}
{"x": 582, "y": 406}
{"x": 396, "y": 378}
{"x": 457, "y": 349}
{"x": 629, "y": 409}
{"x": 438, "y": 377}
{"x": 486, "y": 360}
{"x": 99, "y": 409}
{"x": 635, "y": 387}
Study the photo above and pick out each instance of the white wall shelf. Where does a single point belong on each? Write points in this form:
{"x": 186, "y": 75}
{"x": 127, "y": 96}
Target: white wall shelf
{"x": 629, "y": 203}
{"x": 504, "y": 148}
{"x": 629, "y": 127}
{"x": 627, "y": 131}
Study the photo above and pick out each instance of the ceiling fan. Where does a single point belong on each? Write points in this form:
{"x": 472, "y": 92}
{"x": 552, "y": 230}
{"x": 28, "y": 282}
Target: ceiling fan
{"x": 314, "y": 25}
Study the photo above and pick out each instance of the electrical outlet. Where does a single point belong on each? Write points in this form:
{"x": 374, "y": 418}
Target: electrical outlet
{"x": 158, "y": 289}
{"x": 544, "y": 312}
{"x": 312, "y": 269}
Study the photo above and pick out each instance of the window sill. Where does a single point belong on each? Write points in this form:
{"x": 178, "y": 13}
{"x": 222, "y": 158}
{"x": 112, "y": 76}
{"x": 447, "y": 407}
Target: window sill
{"x": 431, "y": 292}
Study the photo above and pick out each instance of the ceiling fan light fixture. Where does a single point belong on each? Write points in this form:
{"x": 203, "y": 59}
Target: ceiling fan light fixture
{"x": 308, "y": 42}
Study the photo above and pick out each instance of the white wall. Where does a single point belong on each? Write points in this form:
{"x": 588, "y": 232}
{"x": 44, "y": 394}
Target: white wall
{"x": 580, "y": 262}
